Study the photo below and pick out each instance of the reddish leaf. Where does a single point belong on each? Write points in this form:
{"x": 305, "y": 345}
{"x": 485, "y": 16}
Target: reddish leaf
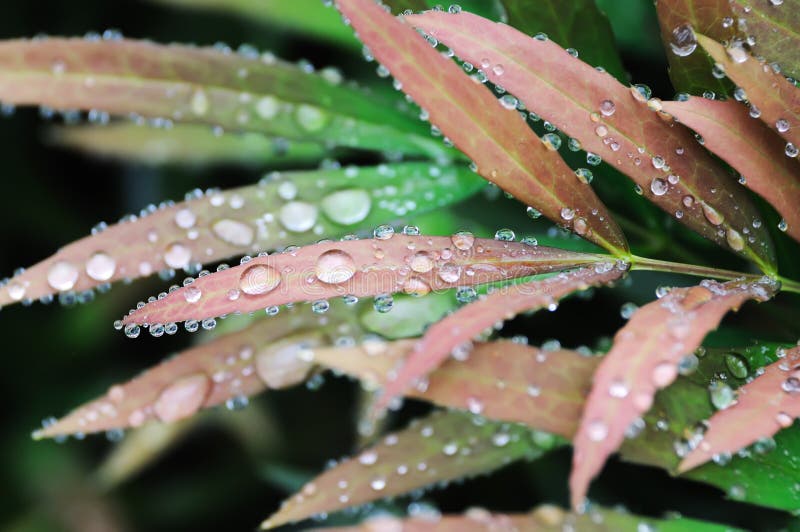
{"x": 750, "y": 147}
{"x": 775, "y": 98}
{"x": 237, "y": 365}
{"x": 411, "y": 264}
{"x": 503, "y": 147}
{"x": 456, "y": 331}
{"x": 172, "y": 83}
{"x": 611, "y": 120}
{"x": 501, "y": 380}
{"x": 689, "y": 69}
{"x": 185, "y": 144}
{"x": 643, "y": 359}
{"x": 764, "y": 406}
{"x": 290, "y": 208}
{"x": 774, "y": 26}
{"x": 442, "y": 447}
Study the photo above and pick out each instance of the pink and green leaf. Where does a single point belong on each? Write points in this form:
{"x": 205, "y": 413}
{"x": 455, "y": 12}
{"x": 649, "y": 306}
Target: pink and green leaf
{"x": 748, "y": 146}
{"x": 237, "y": 92}
{"x": 614, "y": 121}
{"x": 775, "y": 29}
{"x": 286, "y": 208}
{"x": 764, "y": 406}
{"x": 442, "y": 447}
{"x": 387, "y": 264}
{"x": 186, "y": 144}
{"x": 502, "y": 146}
{"x": 689, "y": 68}
{"x": 643, "y": 359}
{"x": 457, "y": 330}
{"x": 776, "y": 98}
{"x": 502, "y": 381}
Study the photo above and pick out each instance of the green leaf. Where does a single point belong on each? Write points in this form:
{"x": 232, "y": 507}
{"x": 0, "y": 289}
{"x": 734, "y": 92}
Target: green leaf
{"x": 442, "y": 447}
{"x": 577, "y": 24}
{"x": 774, "y": 26}
{"x": 239, "y": 92}
{"x": 186, "y": 144}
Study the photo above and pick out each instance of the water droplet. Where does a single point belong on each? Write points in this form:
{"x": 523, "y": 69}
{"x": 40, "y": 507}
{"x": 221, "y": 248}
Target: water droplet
{"x": 368, "y": 458}
{"x": 185, "y": 219}
{"x": 567, "y": 214}
{"x": 416, "y": 287}
{"x": 463, "y": 240}
{"x": 335, "y": 266}
{"x": 618, "y": 389}
{"x": 192, "y": 294}
{"x": 782, "y": 225}
{"x": 421, "y": 262}
{"x": 551, "y": 141}
{"x": 627, "y": 310}
{"x": 784, "y": 420}
{"x": 449, "y": 272}
{"x": 735, "y": 239}
{"x": 311, "y": 118}
{"x": 132, "y": 330}
{"x": 268, "y": 107}
{"x": 584, "y": 175}
{"x": 320, "y": 306}
{"x": 791, "y": 385}
{"x": 782, "y": 125}
{"x": 62, "y": 276}
{"x": 298, "y": 216}
{"x": 383, "y": 303}
{"x": 664, "y": 373}
{"x": 597, "y": 430}
{"x": 607, "y": 108}
{"x": 509, "y": 102}
{"x": 683, "y": 41}
{"x": 259, "y": 279}
{"x": 101, "y": 266}
{"x": 282, "y": 366}
{"x": 182, "y": 398}
{"x": 347, "y": 207}
{"x": 199, "y": 103}
{"x": 658, "y": 186}
{"x": 722, "y": 396}
{"x": 234, "y": 232}
{"x": 712, "y": 215}
{"x": 505, "y": 235}
{"x": 383, "y": 232}
{"x": 378, "y": 483}
{"x": 177, "y": 255}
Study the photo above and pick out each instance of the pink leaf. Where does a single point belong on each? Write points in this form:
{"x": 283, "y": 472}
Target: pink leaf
{"x": 412, "y": 264}
{"x": 643, "y": 359}
{"x": 501, "y": 380}
{"x": 459, "y": 328}
{"x": 611, "y": 120}
{"x": 764, "y": 406}
{"x": 750, "y": 147}
{"x": 502, "y": 146}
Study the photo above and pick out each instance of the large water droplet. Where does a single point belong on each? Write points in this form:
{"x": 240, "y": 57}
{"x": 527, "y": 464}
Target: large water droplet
{"x": 177, "y": 255}
{"x": 298, "y": 216}
{"x": 463, "y": 240}
{"x": 62, "y": 276}
{"x": 283, "y": 366}
{"x": 347, "y": 207}
{"x": 735, "y": 239}
{"x": 664, "y": 373}
{"x": 259, "y": 279}
{"x": 683, "y": 41}
{"x": 101, "y": 266}
{"x": 449, "y": 272}
{"x": 311, "y": 118}
{"x": 233, "y": 232}
{"x": 722, "y": 396}
{"x": 335, "y": 266}
{"x": 597, "y": 430}
{"x": 421, "y": 262}
{"x": 182, "y": 398}
{"x": 658, "y": 186}
{"x": 712, "y": 215}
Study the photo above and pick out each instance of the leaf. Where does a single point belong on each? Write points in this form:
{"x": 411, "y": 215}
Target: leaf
{"x": 776, "y": 100}
{"x": 750, "y": 147}
{"x": 578, "y": 24}
{"x": 455, "y": 332}
{"x": 185, "y": 144}
{"x": 286, "y": 208}
{"x": 172, "y": 83}
{"x": 444, "y": 446}
{"x": 774, "y": 27}
{"x": 308, "y": 17}
{"x": 690, "y": 70}
{"x": 502, "y": 146}
{"x": 232, "y": 367}
{"x": 502, "y": 380}
{"x": 399, "y": 6}
{"x": 764, "y": 406}
{"x": 545, "y": 518}
{"x": 644, "y": 358}
{"x": 384, "y": 265}
{"x": 615, "y": 121}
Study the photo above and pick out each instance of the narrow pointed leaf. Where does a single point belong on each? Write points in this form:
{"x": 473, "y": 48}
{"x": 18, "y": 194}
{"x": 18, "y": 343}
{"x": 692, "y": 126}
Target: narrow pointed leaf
{"x": 750, "y": 147}
{"x": 545, "y": 518}
{"x": 444, "y": 446}
{"x": 502, "y": 380}
{"x": 172, "y": 83}
{"x": 774, "y": 26}
{"x": 643, "y": 359}
{"x": 613, "y": 121}
{"x": 236, "y": 365}
{"x": 497, "y": 139}
{"x": 290, "y": 208}
{"x": 186, "y": 144}
{"x": 308, "y": 17}
{"x": 459, "y": 329}
{"x": 362, "y": 268}
{"x": 764, "y": 406}
{"x": 777, "y": 99}
{"x": 689, "y": 68}
{"x": 579, "y": 25}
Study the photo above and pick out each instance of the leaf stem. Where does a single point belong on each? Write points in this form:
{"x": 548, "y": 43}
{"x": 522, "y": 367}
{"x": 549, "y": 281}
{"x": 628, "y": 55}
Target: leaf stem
{"x": 645, "y": 264}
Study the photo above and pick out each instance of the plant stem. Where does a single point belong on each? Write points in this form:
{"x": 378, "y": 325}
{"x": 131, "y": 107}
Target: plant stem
{"x": 645, "y": 264}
